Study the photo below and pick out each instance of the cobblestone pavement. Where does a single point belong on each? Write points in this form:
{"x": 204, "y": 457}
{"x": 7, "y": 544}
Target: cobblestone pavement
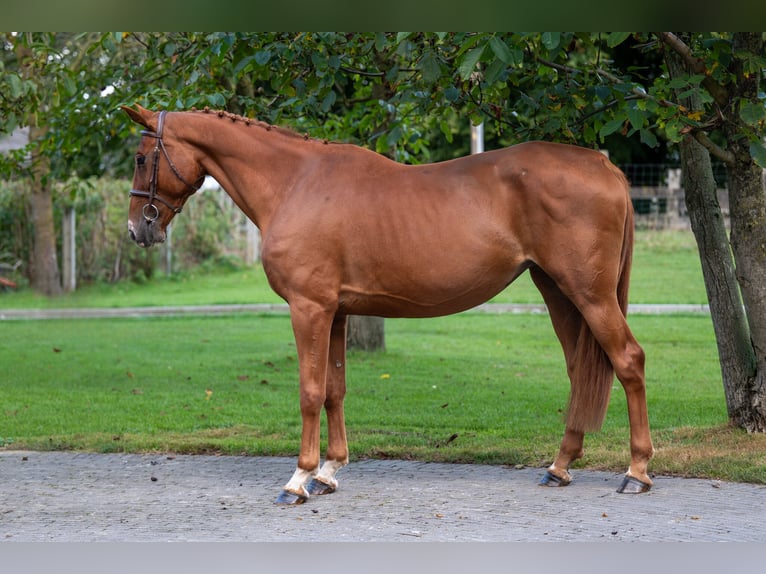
{"x": 62, "y": 496}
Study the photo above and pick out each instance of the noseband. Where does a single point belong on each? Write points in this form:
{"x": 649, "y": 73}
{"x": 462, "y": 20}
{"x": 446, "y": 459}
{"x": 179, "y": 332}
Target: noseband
{"x": 150, "y": 211}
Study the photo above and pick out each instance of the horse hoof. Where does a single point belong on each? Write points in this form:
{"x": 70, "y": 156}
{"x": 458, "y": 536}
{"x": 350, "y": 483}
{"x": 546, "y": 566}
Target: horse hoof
{"x": 286, "y": 497}
{"x": 318, "y": 487}
{"x": 553, "y": 480}
{"x": 631, "y": 485}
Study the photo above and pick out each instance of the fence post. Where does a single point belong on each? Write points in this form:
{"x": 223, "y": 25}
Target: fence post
{"x": 169, "y": 250}
{"x": 674, "y": 194}
{"x": 252, "y": 242}
{"x": 477, "y": 138}
{"x": 68, "y": 250}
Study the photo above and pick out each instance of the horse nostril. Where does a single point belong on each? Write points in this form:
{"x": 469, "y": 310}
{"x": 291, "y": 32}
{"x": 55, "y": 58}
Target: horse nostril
{"x": 132, "y": 235}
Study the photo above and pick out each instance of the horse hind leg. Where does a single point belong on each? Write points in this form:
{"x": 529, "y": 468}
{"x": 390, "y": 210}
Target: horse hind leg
{"x": 627, "y": 358}
{"x": 567, "y": 324}
{"x": 597, "y": 344}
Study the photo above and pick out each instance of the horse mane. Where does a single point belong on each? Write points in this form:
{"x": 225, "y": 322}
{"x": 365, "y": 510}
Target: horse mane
{"x": 259, "y": 123}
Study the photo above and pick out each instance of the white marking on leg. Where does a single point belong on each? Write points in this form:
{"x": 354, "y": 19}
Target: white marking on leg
{"x": 327, "y": 472}
{"x": 300, "y": 477}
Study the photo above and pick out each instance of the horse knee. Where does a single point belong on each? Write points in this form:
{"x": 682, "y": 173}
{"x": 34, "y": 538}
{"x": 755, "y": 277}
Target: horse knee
{"x": 312, "y": 401}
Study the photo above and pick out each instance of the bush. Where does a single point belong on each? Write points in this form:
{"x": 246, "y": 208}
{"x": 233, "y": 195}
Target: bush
{"x": 209, "y": 231}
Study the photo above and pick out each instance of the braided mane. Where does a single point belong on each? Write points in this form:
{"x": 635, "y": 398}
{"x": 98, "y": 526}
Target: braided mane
{"x": 250, "y": 122}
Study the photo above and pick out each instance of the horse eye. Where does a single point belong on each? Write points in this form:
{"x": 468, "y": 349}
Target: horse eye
{"x": 140, "y": 160}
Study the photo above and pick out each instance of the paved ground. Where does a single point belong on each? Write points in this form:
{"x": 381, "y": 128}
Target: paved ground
{"x": 56, "y": 496}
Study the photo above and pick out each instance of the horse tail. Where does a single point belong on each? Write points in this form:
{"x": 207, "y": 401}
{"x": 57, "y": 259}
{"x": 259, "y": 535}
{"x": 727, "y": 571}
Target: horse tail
{"x": 593, "y": 372}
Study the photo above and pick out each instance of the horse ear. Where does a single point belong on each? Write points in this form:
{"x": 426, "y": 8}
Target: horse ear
{"x": 139, "y": 115}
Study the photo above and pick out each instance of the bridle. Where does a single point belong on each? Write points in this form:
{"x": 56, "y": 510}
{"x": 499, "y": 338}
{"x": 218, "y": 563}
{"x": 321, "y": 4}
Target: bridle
{"x": 150, "y": 211}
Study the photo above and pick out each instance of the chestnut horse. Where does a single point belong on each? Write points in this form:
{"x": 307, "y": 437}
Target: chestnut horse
{"x": 347, "y": 231}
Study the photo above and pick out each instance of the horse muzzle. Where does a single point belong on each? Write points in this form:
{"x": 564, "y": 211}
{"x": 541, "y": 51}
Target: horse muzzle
{"x": 146, "y": 233}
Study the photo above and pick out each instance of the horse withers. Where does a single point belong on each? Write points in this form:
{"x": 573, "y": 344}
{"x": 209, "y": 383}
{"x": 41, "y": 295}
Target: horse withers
{"x": 347, "y": 231}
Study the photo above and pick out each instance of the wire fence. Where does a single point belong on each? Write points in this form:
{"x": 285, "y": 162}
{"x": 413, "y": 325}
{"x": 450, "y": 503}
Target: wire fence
{"x": 658, "y": 196}
{"x": 656, "y": 174}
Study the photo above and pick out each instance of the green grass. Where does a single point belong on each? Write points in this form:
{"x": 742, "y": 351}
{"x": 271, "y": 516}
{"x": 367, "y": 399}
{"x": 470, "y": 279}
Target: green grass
{"x": 229, "y": 384}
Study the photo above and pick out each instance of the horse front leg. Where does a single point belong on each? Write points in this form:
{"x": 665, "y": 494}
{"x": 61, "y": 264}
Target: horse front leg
{"x": 337, "y": 446}
{"x": 311, "y": 326}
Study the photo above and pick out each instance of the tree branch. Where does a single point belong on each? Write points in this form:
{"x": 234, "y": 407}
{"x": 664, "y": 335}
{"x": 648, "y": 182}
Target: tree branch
{"x": 724, "y": 155}
{"x": 559, "y": 67}
{"x": 356, "y": 71}
{"x": 720, "y": 94}
{"x": 638, "y": 93}
{"x": 679, "y": 47}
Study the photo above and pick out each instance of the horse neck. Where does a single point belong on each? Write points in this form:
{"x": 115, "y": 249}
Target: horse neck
{"x": 255, "y": 164}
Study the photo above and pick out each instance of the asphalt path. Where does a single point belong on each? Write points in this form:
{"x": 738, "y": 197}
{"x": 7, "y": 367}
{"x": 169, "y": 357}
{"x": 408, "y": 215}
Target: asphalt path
{"x": 86, "y": 497}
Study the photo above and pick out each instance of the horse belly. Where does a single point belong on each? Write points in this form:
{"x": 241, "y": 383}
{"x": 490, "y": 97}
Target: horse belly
{"x": 427, "y": 287}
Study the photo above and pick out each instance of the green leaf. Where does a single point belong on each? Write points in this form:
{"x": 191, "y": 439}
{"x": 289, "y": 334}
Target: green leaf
{"x": 380, "y": 41}
{"x": 429, "y": 67}
{"x": 394, "y": 136}
{"x": 673, "y": 131}
{"x": 446, "y": 129}
{"x": 616, "y": 38}
{"x": 752, "y": 113}
{"x": 648, "y": 138}
{"x": 216, "y": 100}
{"x": 677, "y": 83}
{"x": 611, "y": 126}
{"x": 14, "y": 85}
{"x": 452, "y": 94}
{"x": 494, "y": 70}
{"x": 468, "y": 65}
{"x": 262, "y": 57}
{"x": 551, "y": 40}
{"x": 328, "y": 102}
{"x": 501, "y": 50}
{"x": 758, "y": 151}
{"x": 70, "y": 86}
{"x": 636, "y": 118}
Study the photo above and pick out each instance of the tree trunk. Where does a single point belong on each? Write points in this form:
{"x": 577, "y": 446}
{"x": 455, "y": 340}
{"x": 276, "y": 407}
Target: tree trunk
{"x": 44, "y": 271}
{"x": 366, "y": 333}
{"x": 735, "y": 350}
{"x": 736, "y": 326}
{"x": 747, "y": 205}
{"x": 44, "y": 267}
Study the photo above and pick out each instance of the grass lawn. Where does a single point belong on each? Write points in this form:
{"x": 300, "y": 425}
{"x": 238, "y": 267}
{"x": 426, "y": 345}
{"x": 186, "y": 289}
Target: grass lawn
{"x": 467, "y": 388}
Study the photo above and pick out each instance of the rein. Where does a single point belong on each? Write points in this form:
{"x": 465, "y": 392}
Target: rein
{"x": 150, "y": 211}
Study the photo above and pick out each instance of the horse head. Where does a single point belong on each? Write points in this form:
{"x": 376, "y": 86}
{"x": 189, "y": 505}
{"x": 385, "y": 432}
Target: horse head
{"x": 166, "y": 174}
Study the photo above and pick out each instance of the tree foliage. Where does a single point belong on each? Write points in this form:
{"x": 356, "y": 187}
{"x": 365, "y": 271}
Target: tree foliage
{"x": 386, "y": 91}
